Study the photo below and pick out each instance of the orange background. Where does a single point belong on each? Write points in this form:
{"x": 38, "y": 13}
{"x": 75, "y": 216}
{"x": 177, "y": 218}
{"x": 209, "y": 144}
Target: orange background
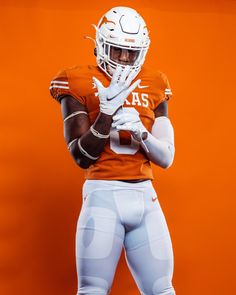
{"x": 193, "y": 42}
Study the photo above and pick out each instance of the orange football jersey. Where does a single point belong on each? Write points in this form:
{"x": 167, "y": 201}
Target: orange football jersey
{"x": 122, "y": 157}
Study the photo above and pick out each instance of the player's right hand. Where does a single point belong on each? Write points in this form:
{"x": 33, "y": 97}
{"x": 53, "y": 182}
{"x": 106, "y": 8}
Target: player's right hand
{"x": 113, "y": 97}
{"x": 128, "y": 121}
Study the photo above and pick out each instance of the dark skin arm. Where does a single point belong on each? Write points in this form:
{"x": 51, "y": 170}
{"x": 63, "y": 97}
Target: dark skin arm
{"x": 162, "y": 109}
{"x": 78, "y": 127}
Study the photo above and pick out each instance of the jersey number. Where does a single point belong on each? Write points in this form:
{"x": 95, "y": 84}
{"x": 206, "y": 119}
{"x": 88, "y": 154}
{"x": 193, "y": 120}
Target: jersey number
{"x": 127, "y": 149}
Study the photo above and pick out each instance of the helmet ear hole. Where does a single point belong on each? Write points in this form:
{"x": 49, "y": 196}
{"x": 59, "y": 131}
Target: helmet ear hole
{"x": 95, "y": 51}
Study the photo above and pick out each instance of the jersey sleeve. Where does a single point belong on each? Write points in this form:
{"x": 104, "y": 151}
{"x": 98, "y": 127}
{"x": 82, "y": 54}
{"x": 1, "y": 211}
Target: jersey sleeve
{"x": 63, "y": 85}
{"x": 59, "y": 86}
{"x": 167, "y": 88}
{"x": 164, "y": 92}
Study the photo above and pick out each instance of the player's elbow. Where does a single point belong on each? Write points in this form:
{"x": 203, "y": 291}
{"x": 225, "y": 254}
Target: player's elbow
{"x": 168, "y": 159}
{"x": 166, "y": 164}
{"x": 163, "y": 162}
{"x": 80, "y": 160}
{"x": 83, "y": 162}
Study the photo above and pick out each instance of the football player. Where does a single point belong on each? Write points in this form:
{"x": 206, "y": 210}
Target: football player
{"x": 115, "y": 123}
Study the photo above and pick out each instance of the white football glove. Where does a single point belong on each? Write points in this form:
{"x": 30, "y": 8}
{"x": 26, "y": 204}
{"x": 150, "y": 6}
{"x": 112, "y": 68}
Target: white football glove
{"x": 130, "y": 121}
{"x": 113, "y": 97}
{"x": 158, "y": 145}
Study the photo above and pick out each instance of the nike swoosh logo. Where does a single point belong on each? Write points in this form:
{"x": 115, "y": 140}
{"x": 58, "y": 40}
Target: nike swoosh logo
{"x": 110, "y": 98}
{"x": 154, "y": 199}
{"x": 142, "y": 86}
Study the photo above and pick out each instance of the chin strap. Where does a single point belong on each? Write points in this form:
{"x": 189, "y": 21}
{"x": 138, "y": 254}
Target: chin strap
{"x": 143, "y": 143}
{"x": 140, "y": 136}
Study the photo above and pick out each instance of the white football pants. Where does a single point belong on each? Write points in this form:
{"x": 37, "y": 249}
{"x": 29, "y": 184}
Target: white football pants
{"x": 116, "y": 214}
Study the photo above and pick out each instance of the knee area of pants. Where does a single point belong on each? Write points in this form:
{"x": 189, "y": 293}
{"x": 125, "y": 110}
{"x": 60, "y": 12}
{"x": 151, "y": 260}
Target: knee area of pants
{"x": 92, "y": 291}
{"x": 92, "y": 286}
{"x": 167, "y": 292}
{"x": 163, "y": 286}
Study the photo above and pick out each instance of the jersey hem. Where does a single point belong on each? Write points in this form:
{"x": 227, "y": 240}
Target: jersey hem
{"x": 118, "y": 178}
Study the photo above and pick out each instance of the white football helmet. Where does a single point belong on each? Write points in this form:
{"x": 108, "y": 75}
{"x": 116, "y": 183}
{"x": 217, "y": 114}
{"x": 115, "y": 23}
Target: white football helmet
{"x": 121, "y": 28}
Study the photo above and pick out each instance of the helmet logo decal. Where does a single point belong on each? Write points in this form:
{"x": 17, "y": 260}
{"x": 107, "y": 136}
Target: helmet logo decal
{"x": 105, "y": 20}
{"x": 130, "y": 40}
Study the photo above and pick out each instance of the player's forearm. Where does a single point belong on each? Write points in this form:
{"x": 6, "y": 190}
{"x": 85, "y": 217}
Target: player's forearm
{"x": 93, "y": 144}
{"x": 159, "y": 145}
{"x": 89, "y": 147}
{"x": 160, "y": 152}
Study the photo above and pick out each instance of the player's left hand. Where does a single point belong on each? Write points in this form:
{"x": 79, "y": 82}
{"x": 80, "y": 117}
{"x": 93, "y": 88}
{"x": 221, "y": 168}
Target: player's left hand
{"x": 113, "y": 97}
{"x": 130, "y": 122}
